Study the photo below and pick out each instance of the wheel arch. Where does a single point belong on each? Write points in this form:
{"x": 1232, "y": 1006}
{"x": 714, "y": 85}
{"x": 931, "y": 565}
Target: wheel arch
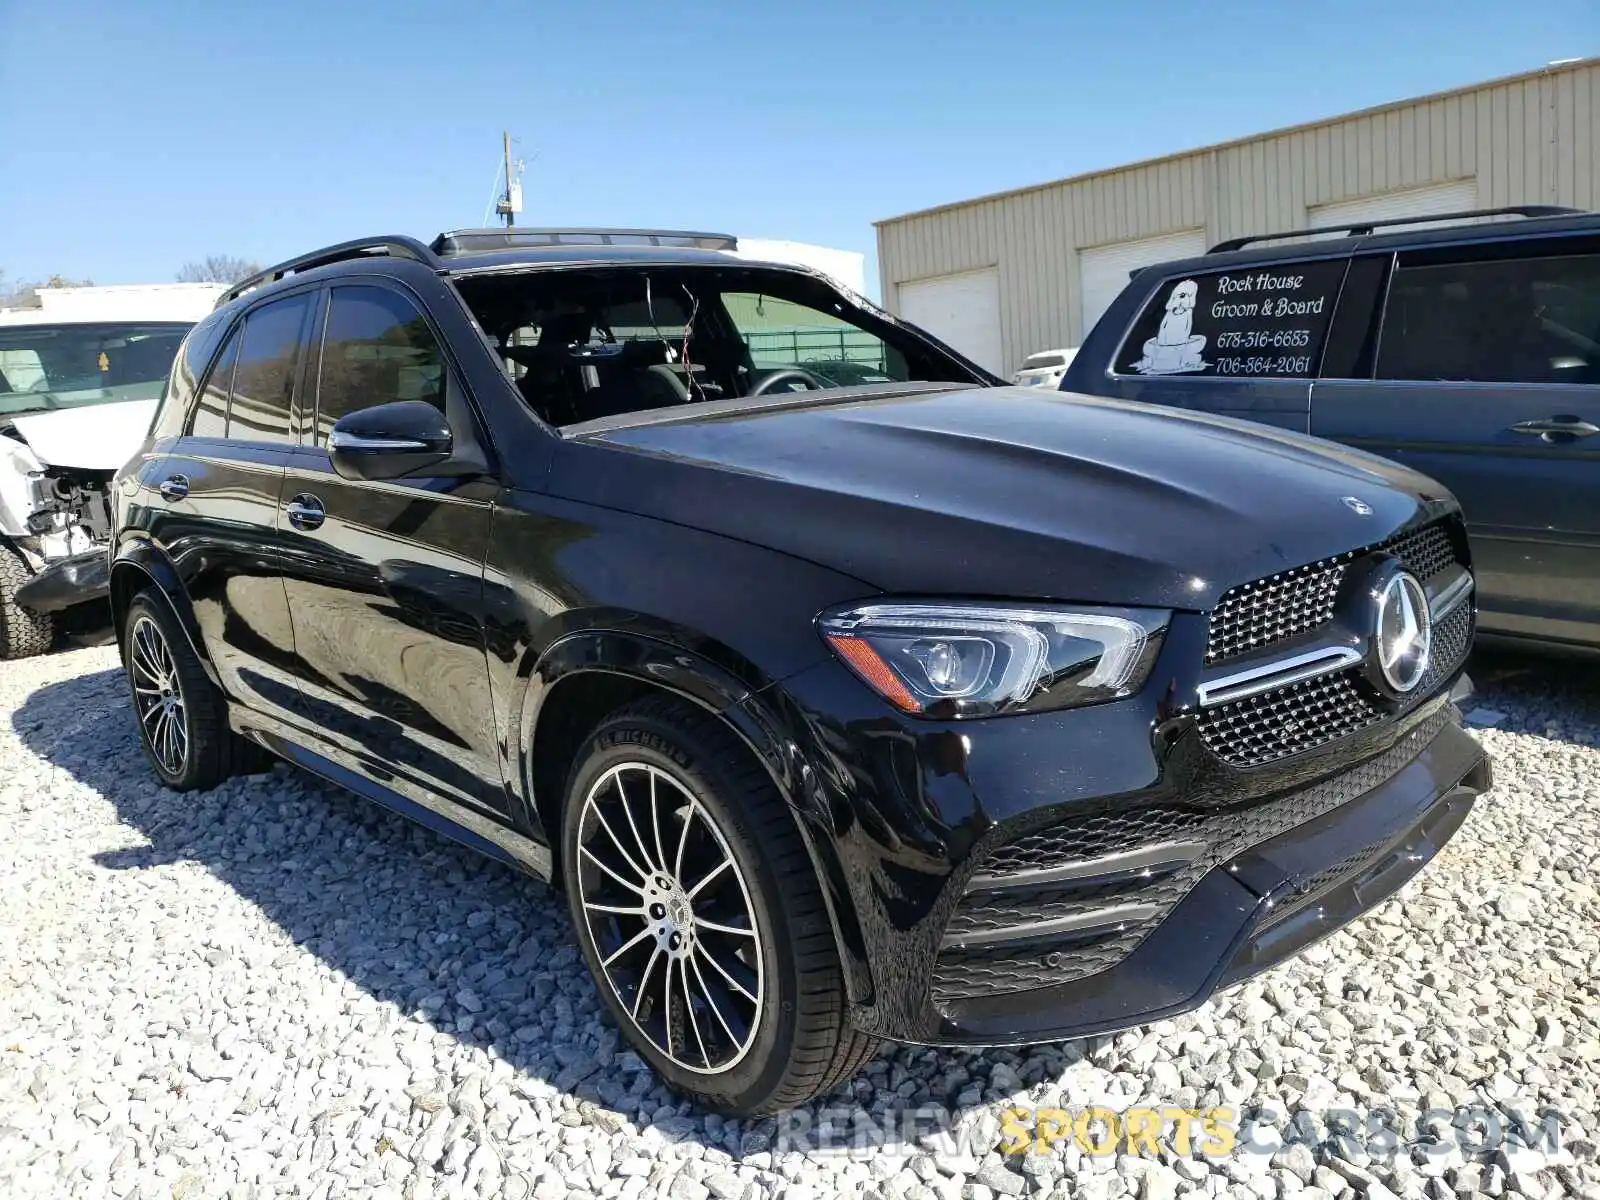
{"x": 588, "y": 674}
{"x": 143, "y": 567}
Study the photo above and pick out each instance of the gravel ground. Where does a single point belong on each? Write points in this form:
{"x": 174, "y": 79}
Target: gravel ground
{"x": 275, "y": 989}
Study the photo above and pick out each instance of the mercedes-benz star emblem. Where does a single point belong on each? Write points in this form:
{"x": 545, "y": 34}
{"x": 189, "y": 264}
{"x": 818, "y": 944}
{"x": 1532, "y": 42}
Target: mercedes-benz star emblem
{"x": 1403, "y": 632}
{"x": 1357, "y": 505}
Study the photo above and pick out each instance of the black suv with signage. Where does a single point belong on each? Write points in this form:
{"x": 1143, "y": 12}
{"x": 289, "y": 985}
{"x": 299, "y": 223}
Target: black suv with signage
{"x": 920, "y": 708}
{"x": 1470, "y": 352}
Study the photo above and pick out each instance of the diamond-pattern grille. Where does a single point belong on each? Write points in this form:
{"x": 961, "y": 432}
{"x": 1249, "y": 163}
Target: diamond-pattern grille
{"x": 1303, "y": 716}
{"x": 1255, "y": 615}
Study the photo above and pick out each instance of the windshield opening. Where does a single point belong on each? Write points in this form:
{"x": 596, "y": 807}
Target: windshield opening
{"x": 585, "y": 345}
{"x": 46, "y": 367}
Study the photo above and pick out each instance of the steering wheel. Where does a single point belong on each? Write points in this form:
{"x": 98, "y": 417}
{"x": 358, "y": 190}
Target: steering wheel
{"x": 788, "y": 375}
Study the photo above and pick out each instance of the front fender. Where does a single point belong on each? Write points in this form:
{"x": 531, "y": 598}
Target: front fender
{"x": 756, "y": 715}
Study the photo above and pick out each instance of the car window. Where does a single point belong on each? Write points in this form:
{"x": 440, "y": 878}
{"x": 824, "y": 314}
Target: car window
{"x": 1263, "y": 322}
{"x": 190, "y": 363}
{"x": 211, "y": 413}
{"x": 1509, "y": 320}
{"x": 781, "y": 334}
{"x": 51, "y": 366}
{"x": 377, "y": 348}
{"x": 1040, "y": 362}
{"x": 263, "y": 381}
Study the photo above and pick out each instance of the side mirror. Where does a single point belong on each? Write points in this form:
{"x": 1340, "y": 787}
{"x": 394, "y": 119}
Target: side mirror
{"x": 388, "y": 441}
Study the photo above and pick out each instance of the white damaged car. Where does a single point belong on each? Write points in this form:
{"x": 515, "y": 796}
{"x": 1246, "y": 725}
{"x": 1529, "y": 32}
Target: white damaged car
{"x": 76, "y": 398}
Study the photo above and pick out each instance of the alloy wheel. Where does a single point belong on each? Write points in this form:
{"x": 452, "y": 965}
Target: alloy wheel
{"x": 671, "y": 918}
{"x": 158, "y": 696}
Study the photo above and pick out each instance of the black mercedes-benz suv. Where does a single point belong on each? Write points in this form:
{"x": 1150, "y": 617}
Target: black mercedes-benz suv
{"x": 922, "y": 708}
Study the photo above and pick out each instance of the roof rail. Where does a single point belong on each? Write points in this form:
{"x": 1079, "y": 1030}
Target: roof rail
{"x": 1361, "y": 228}
{"x": 467, "y": 241}
{"x": 388, "y": 245}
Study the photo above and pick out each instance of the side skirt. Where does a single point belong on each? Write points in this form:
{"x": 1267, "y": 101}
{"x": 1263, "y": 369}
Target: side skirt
{"x": 442, "y": 816}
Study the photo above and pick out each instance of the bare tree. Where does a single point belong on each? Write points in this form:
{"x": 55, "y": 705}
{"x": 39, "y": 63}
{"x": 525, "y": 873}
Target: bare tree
{"x": 218, "y": 268}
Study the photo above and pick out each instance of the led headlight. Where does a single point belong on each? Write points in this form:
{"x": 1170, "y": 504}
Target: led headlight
{"x": 953, "y": 660}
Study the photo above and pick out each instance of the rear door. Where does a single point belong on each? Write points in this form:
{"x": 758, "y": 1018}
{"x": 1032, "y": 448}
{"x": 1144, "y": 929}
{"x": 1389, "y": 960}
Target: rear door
{"x": 219, "y": 496}
{"x": 385, "y": 579}
{"x": 1243, "y": 342}
{"x": 1483, "y": 370}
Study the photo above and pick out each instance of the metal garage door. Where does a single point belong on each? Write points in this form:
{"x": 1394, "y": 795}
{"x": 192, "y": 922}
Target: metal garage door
{"x": 1103, "y": 271}
{"x": 1413, "y": 202}
{"x": 962, "y": 310}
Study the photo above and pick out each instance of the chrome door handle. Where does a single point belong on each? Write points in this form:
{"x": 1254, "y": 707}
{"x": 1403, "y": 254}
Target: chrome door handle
{"x": 174, "y": 487}
{"x": 1551, "y": 428}
{"x": 305, "y": 511}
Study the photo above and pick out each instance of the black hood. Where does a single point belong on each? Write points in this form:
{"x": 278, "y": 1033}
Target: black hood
{"x": 1008, "y": 492}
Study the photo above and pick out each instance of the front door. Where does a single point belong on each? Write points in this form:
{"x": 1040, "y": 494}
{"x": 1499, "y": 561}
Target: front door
{"x": 385, "y": 579}
{"x": 219, "y": 491}
{"x": 1487, "y": 377}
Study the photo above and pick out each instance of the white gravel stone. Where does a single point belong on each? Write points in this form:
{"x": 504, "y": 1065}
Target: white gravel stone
{"x": 275, "y": 989}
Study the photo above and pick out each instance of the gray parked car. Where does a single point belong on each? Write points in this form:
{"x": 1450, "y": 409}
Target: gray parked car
{"x": 1470, "y": 352}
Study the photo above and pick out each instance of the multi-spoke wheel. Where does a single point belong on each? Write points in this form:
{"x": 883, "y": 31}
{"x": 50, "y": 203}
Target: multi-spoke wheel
{"x": 158, "y": 695}
{"x": 182, "y": 717}
{"x": 699, "y": 914}
{"x": 670, "y": 913}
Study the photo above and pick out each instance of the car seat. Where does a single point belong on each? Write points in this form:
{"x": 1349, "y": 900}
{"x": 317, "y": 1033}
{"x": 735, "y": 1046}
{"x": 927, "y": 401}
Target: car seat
{"x": 635, "y": 379}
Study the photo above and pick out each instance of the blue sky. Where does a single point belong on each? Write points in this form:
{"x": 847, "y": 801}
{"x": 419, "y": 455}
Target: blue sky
{"x": 137, "y": 136}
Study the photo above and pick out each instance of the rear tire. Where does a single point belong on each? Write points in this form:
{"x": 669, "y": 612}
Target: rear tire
{"x": 661, "y": 794}
{"x": 23, "y": 632}
{"x": 182, "y": 716}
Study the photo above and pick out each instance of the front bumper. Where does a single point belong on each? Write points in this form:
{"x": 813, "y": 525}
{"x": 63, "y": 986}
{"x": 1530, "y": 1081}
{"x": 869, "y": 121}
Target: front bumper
{"x": 1153, "y": 871}
{"x": 68, "y": 582}
{"x": 1251, "y": 912}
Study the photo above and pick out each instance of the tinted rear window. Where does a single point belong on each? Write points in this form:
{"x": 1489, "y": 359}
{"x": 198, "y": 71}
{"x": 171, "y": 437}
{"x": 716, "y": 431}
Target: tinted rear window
{"x": 1260, "y": 322}
{"x": 1039, "y": 362}
{"x": 211, "y": 414}
{"x": 263, "y": 382}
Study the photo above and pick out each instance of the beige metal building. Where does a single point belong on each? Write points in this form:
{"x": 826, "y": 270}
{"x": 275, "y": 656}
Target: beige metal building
{"x": 1005, "y": 275}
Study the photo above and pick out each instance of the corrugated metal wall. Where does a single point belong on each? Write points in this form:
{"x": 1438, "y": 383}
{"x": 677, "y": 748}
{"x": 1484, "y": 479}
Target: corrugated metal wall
{"x": 1525, "y": 140}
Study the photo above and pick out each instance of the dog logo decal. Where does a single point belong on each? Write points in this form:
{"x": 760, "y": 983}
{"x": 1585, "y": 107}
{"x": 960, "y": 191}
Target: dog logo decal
{"x": 1176, "y": 348}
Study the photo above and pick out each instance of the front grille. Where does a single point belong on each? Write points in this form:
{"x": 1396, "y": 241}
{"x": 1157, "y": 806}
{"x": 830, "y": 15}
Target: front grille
{"x": 1425, "y": 552}
{"x": 1273, "y": 610}
{"x": 1303, "y": 716}
{"x": 1026, "y": 964}
{"x": 1287, "y": 720}
{"x": 1255, "y": 615}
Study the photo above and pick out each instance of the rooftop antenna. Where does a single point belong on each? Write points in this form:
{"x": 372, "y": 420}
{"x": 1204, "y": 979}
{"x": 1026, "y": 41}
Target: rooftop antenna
{"x": 510, "y": 202}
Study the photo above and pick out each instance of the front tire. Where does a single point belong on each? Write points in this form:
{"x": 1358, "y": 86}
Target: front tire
{"x": 699, "y": 915}
{"x": 23, "y": 632}
{"x": 181, "y": 714}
